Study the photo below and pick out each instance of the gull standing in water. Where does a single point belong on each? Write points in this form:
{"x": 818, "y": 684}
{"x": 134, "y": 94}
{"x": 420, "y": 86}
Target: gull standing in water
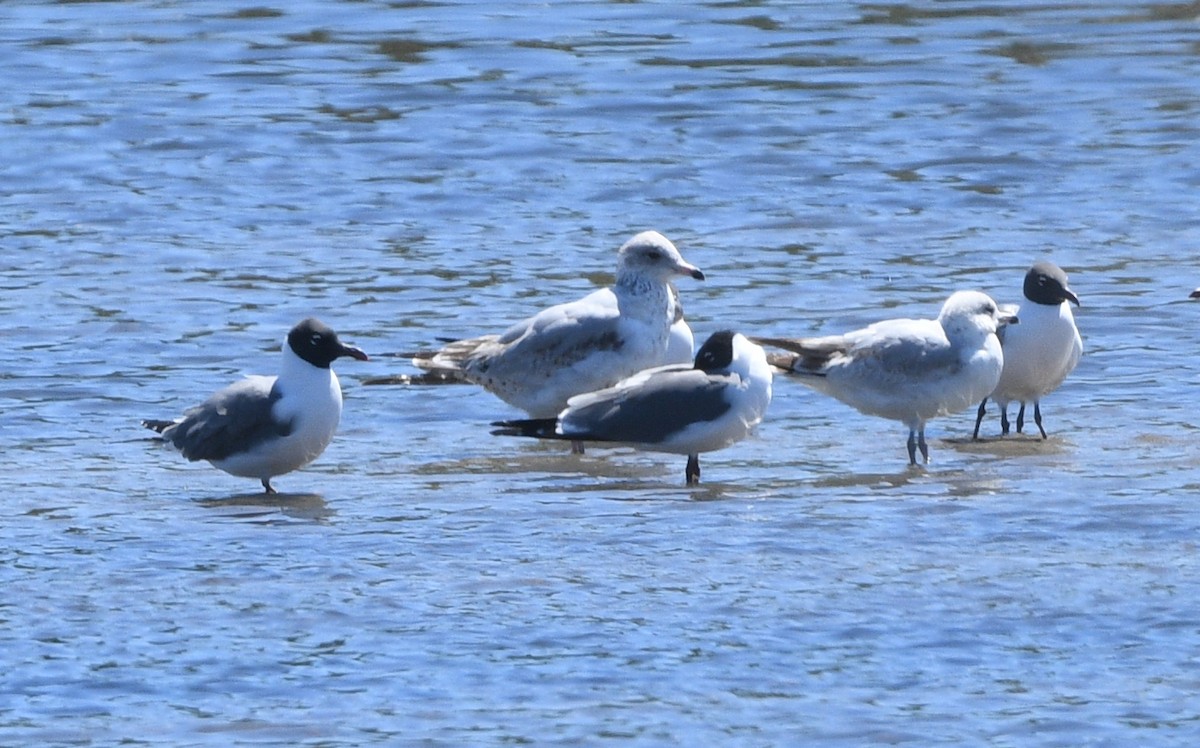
{"x": 907, "y": 370}
{"x": 680, "y": 409}
{"x": 263, "y": 426}
{"x": 581, "y": 346}
{"x": 1041, "y": 351}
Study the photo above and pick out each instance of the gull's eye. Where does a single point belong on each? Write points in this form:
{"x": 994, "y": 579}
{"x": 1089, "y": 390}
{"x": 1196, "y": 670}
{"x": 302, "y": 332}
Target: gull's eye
{"x": 316, "y": 339}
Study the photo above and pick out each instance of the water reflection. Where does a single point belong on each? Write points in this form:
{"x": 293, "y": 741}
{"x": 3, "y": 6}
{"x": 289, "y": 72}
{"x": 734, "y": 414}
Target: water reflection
{"x": 268, "y": 508}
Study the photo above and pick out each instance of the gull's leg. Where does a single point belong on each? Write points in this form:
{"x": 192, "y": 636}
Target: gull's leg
{"x": 912, "y": 446}
{"x": 979, "y": 418}
{"x": 576, "y": 447}
{"x": 922, "y": 446}
{"x": 1004, "y": 420}
{"x": 1037, "y": 417}
{"x": 1021, "y": 417}
{"x": 692, "y": 473}
{"x": 267, "y": 486}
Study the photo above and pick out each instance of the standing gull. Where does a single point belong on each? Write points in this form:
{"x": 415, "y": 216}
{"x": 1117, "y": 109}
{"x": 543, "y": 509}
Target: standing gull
{"x": 581, "y": 346}
{"x": 680, "y": 409}
{"x": 1041, "y": 351}
{"x": 263, "y": 426}
{"x": 907, "y": 370}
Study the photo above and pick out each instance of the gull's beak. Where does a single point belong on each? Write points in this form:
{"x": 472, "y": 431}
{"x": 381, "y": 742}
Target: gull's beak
{"x": 688, "y": 269}
{"x": 1004, "y": 319}
{"x": 352, "y": 352}
{"x": 1070, "y": 295}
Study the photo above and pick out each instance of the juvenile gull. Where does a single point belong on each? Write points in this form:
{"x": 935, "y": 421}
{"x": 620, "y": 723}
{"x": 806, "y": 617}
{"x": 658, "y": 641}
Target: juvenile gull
{"x": 681, "y": 348}
{"x": 264, "y": 426}
{"x": 581, "y": 346}
{"x": 1040, "y": 352}
{"x": 680, "y": 408}
{"x": 907, "y": 370}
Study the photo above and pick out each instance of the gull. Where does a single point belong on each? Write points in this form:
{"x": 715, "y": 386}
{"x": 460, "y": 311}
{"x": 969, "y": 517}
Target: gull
{"x": 265, "y": 426}
{"x": 581, "y": 346}
{"x": 1041, "y": 351}
{"x": 680, "y": 350}
{"x": 907, "y": 370}
{"x": 679, "y": 408}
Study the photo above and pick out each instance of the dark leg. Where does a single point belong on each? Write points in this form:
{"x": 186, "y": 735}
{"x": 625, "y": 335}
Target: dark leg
{"x": 1037, "y": 417}
{"x": 1004, "y": 420}
{"x": 692, "y": 473}
{"x": 922, "y": 446}
{"x": 979, "y": 418}
{"x": 267, "y": 486}
{"x": 912, "y": 446}
{"x": 1021, "y": 417}
{"x": 576, "y": 447}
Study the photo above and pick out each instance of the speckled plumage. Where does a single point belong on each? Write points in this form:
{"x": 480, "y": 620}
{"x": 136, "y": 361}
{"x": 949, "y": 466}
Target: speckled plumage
{"x": 584, "y": 345}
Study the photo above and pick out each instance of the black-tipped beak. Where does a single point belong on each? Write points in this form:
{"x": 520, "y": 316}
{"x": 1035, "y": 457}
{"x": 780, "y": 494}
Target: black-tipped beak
{"x": 1008, "y": 319}
{"x": 352, "y": 352}
{"x": 690, "y": 270}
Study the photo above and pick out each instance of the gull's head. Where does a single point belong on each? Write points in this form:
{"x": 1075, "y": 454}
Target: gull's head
{"x": 973, "y": 311}
{"x": 317, "y": 343}
{"x": 651, "y": 255}
{"x": 727, "y": 349}
{"x": 1046, "y": 283}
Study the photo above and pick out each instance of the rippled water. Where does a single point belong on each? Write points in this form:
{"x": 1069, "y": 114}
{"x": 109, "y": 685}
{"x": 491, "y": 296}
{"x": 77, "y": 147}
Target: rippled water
{"x": 183, "y": 181}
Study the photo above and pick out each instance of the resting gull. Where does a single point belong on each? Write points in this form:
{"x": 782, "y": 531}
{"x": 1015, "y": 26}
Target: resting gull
{"x": 680, "y": 408}
{"x": 581, "y": 346}
{"x": 264, "y": 426}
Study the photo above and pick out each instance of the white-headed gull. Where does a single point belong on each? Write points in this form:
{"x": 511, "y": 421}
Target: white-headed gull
{"x": 1040, "y": 352}
{"x": 679, "y": 409}
{"x": 265, "y": 426}
{"x": 681, "y": 349}
{"x": 907, "y": 370}
{"x": 581, "y": 346}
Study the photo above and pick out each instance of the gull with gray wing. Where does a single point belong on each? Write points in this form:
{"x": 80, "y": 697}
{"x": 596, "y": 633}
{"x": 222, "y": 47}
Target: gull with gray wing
{"x": 264, "y": 426}
{"x": 679, "y": 409}
{"x": 1041, "y": 351}
{"x": 907, "y": 370}
{"x": 581, "y": 346}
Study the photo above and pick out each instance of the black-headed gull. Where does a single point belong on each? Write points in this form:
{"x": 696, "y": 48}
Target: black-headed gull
{"x": 907, "y": 370}
{"x": 679, "y": 409}
{"x": 266, "y": 426}
{"x": 581, "y": 346}
{"x": 1040, "y": 352}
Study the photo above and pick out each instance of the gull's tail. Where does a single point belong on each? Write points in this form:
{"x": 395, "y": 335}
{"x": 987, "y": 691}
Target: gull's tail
{"x": 445, "y": 365}
{"x": 158, "y": 426}
{"x": 451, "y": 357}
{"x": 539, "y": 428}
{"x": 805, "y": 356}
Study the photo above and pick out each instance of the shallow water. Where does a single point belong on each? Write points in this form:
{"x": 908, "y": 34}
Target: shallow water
{"x": 184, "y": 181}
